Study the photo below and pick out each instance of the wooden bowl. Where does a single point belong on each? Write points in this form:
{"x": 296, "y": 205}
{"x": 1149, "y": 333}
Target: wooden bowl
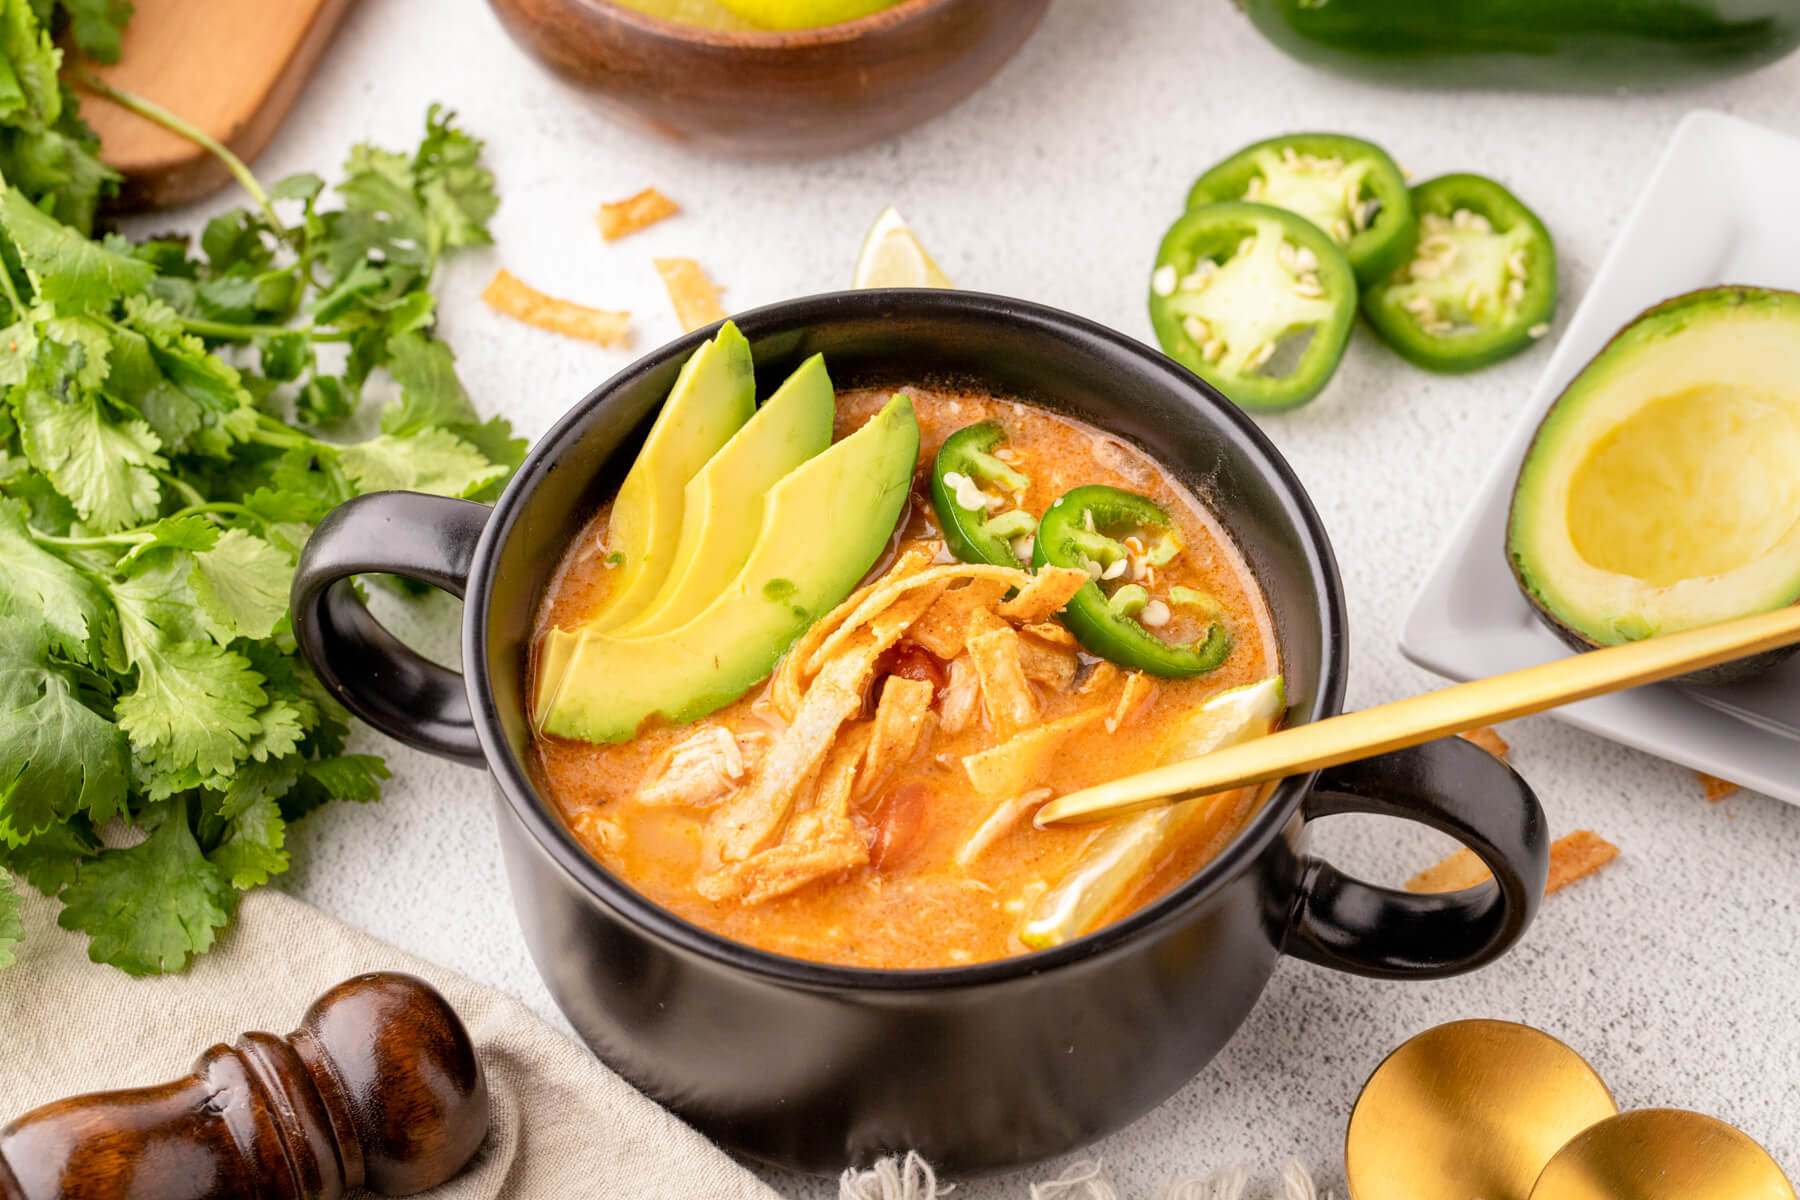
{"x": 790, "y": 94}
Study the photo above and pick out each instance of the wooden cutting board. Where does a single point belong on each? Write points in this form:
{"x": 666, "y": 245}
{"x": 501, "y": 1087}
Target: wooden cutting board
{"x": 232, "y": 67}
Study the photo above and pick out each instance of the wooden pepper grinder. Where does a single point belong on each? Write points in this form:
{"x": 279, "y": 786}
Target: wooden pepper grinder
{"x": 378, "y": 1088}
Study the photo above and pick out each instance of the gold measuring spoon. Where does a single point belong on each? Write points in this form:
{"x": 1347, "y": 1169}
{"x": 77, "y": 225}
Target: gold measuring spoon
{"x": 1433, "y": 715}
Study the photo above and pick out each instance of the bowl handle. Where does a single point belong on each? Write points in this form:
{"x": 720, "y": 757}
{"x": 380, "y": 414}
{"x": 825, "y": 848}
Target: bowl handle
{"x": 370, "y": 671}
{"x": 1455, "y": 787}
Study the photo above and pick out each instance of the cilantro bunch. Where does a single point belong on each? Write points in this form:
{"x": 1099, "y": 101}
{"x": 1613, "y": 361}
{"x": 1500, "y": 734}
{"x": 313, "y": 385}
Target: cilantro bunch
{"x": 175, "y": 419}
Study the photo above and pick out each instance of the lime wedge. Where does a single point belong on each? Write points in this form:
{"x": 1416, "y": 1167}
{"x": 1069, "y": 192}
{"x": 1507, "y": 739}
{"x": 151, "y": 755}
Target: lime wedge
{"x": 702, "y": 14}
{"x": 804, "y": 14}
{"x": 891, "y": 256}
{"x": 1128, "y": 846}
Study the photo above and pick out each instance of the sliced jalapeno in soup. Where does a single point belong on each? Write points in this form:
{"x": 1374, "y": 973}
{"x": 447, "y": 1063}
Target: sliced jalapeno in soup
{"x": 1076, "y": 532}
{"x": 965, "y": 509}
{"x": 1348, "y": 187}
{"x": 1481, "y": 282}
{"x": 1255, "y": 300}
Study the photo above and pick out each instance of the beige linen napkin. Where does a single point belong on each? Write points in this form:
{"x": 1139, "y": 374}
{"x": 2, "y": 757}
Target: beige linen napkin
{"x": 562, "y": 1124}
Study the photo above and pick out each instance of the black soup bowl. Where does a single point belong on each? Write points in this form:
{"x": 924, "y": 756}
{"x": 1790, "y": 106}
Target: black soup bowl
{"x": 980, "y": 1067}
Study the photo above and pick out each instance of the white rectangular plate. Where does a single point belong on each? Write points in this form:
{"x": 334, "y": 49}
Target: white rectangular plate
{"x": 1722, "y": 206}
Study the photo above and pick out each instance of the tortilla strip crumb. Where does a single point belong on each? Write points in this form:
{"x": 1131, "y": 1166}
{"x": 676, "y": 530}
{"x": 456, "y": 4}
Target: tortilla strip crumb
{"x": 1004, "y": 688}
{"x": 1488, "y": 740}
{"x": 1048, "y": 591}
{"x": 634, "y": 213}
{"x": 1020, "y": 763}
{"x": 1099, "y": 679}
{"x": 508, "y": 294}
{"x": 1139, "y": 687}
{"x": 900, "y": 720}
{"x": 1006, "y": 814}
{"x": 1716, "y": 789}
{"x": 695, "y": 297}
{"x": 1051, "y": 632}
{"x": 1571, "y": 857}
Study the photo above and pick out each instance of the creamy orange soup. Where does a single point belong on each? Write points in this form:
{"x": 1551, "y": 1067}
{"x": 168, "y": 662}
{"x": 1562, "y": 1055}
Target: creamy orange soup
{"x": 922, "y": 899}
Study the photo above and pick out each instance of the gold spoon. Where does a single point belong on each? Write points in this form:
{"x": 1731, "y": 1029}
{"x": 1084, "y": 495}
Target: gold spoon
{"x": 1662, "y": 1154}
{"x": 1469, "y": 1109}
{"x": 1433, "y": 715}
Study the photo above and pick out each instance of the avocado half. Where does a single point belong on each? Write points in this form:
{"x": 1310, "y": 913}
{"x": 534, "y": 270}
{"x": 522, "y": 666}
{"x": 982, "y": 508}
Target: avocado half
{"x": 1662, "y": 490}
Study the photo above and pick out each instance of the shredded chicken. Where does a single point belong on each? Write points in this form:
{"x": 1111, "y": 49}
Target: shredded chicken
{"x": 702, "y": 770}
{"x": 1139, "y": 688}
{"x": 1006, "y": 814}
{"x": 961, "y": 695}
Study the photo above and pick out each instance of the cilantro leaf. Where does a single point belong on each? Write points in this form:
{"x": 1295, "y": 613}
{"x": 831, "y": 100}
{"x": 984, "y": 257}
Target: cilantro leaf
{"x": 107, "y": 468}
{"x": 51, "y": 859}
{"x": 193, "y": 708}
{"x": 242, "y": 586}
{"x": 430, "y": 392}
{"x": 150, "y": 906}
{"x": 37, "y": 585}
{"x": 64, "y": 266}
{"x": 96, "y": 26}
{"x": 58, "y": 757}
{"x": 431, "y": 460}
{"x": 12, "y": 924}
{"x": 254, "y": 845}
{"x": 350, "y": 776}
{"x": 458, "y": 191}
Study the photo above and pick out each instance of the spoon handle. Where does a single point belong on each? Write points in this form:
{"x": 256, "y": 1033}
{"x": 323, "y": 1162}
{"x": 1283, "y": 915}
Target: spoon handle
{"x": 1433, "y": 715}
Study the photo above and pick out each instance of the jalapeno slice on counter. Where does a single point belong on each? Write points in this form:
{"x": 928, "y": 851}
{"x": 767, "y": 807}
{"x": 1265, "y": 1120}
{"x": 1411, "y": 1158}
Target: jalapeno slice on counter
{"x": 965, "y": 509}
{"x": 1255, "y": 300}
{"x": 1076, "y": 532}
{"x": 1481, "y": 282}
{"x": 1348, "y": 187}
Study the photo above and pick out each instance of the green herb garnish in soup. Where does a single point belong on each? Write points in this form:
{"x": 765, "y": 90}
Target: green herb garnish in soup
{"x": 848, "y": 774}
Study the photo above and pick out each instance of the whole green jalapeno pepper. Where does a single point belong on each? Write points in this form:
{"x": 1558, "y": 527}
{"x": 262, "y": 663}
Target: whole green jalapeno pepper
{"x": 964, "y": 462}
{"x": 1074, "y": 532}
{"x": 1480, "y": 284}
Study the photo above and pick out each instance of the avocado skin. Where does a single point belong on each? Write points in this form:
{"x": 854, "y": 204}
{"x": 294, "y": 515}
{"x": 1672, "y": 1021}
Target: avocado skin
{"x": 1670, "y": 312}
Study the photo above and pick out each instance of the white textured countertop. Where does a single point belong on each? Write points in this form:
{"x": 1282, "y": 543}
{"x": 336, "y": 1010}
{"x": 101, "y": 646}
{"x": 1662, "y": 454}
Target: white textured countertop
{"x": 1675, "y": 970}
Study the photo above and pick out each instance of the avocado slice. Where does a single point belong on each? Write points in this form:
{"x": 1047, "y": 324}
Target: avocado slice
{"x": 722, "y": 506}
{"x": 713, "y": 397}
{"x": 823, "y": 527}
{"x": 1662, "y": 491}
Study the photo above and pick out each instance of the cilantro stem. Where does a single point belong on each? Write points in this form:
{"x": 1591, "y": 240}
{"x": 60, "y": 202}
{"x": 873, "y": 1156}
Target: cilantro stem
{"x": 174, "y": 124}
{"x": 140, "y": 534}
{"x": 226, "y": 329}
{"x": 12, "y": 292}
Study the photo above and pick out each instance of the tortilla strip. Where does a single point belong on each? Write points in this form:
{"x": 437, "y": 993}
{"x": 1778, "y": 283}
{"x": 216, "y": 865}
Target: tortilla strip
{"x": 634, "y": 213}
{"x": 943, "y": 630}
{"x": 1047, "y": 592}
{"x": 900, "y": 720}
{"x": 1571, "y": 857}
{"x": 788, "y": 683}
{"x": 1006, "y": 814}
{"x": 889, "y": 591}
{"x": 1714, "y": 788}
{"x": 509, "y": 294}
{"x": 1021, "y": 762}
{"x": 695, "y": 297}
{"x": 1099, "y": 679}
{"x": 1051, "y": 633}
{"x": 1004, "y": 688}
{"x": 819, "y": 842}
{"x": 1488, "y": 740}
{"x": 1139, "y": 688}
{"x": 1054, "y": 665}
